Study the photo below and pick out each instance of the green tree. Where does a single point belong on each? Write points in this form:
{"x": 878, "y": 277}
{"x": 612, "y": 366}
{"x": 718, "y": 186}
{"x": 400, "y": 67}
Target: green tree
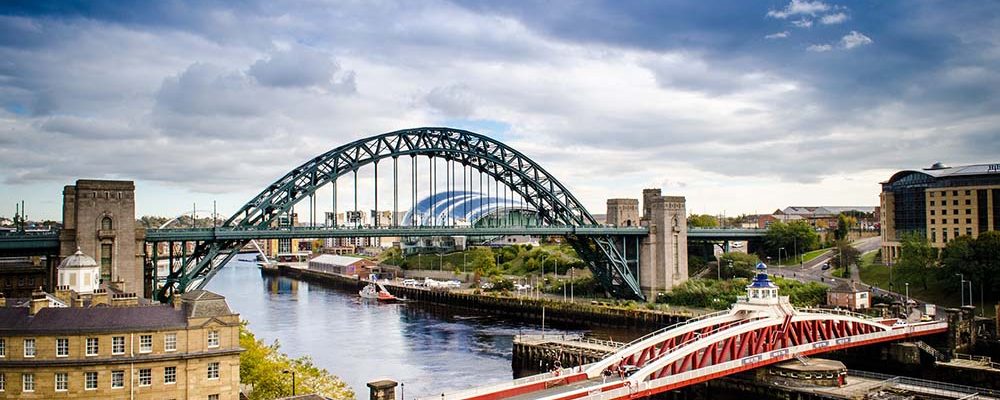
{"x": 977, "y": 259}
{"x": 916, "y": 257}
{"x": 851, "y": 256}
{"x": 843, "y": 225}
{"x": 740, "y": 265}
{"x": 796, "y": 235}
{"x": 482, "y": 261}
{"x": 262, "y": 366}
{"x": 702, "y": 221}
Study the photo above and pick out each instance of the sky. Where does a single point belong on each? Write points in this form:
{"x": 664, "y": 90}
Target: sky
{"x": 742, "y": 107}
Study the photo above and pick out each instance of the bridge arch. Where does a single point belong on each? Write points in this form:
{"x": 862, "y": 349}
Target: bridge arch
{"x": 536, "y": 187}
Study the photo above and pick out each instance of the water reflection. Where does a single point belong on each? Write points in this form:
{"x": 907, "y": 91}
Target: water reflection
{"x": 429, "y": 348}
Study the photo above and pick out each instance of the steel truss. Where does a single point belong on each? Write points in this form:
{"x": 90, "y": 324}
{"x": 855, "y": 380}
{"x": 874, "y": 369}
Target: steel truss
{"x": 605, "y": 255}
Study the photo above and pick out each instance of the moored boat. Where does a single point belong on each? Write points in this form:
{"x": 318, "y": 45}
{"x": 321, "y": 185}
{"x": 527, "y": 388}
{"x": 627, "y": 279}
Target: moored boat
{"x": 376, "y": 291}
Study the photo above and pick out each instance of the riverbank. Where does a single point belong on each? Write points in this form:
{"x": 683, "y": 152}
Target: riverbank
{"x": 574, "y": 313}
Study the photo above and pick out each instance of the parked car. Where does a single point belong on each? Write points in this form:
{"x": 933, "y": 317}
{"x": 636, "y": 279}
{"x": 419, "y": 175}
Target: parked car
{"x": 486, "y": 286}
{"x": 410, "y": 282}
{"x": 454, "y": 284}
{"x": 826, "y": 266}
{"x": 518, "y": 286}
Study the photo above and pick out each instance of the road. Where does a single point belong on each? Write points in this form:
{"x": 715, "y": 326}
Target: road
{"x": 812, "y": 270}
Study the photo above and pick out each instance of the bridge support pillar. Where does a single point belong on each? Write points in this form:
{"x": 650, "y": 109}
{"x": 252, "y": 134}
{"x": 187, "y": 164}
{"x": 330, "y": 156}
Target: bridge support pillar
{"x": 663, "y": 261}
{"x": 99, "y": 218}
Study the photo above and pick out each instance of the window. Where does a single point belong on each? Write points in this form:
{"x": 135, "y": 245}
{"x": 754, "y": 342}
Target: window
{"x": 954, "y": 193}
{"x": 954, "y": 202}
{"x": 29, "y": 347}
{"x": 145, "y": 343}
{"x": 169, "y": 375}
{"x": 62, "y": 381}
{"x": 968, "y": 220}
{"x": 90, "y": 379}
{"x": 3, "y": 347}
{"x": 92, "y": 346}
{"x": 145, "y": 377}
{"x": 968, "y": 192}
{"x": 932, "y": 203}
{"x": 932, "y": 221}
{"x": 106, "y": 261}
{"x": 968, "y": 211}
{"x": 3, "y": 382}
{"x": 932, "y": 212}
{"x": 118, "y": 345}
{"x": 170, "y": 342}
{"x": 955, "y": 221}
{"x": 62, "y": 347}
{"x": 944, "y": 212}
{"x": 27, "y": 382}
{"x": 213, "y": 397}
{"x": 117, "y": 379}
{"x": 968, "y": 202}
{"x": 213, "y": 338}
{"x": 213, "y": 370}
{"x": 106, "y": 224}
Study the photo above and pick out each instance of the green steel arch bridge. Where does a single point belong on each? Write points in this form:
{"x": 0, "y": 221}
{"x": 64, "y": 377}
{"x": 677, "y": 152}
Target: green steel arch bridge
{"x": 469, "y": 163}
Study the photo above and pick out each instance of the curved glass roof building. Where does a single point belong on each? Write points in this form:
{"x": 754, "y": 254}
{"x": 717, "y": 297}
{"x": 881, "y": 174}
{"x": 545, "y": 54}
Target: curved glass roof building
{"x": 463, "y": 208}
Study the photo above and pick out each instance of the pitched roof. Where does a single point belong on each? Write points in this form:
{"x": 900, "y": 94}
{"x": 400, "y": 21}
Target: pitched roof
{"x": 93, "y": 319}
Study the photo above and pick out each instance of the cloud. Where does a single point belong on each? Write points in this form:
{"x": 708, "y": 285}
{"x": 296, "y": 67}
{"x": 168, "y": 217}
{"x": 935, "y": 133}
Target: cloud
{"x": 854, "y": 39}
{"x": 831, "y": 19}
{"x": 454, "y": 101}
{"x": 803, "y": 23}
{"x": 799, "y": 7}
{"x": 819, "y": 48}
{"x": 777, "y": 35}
{"x": 301, "y": 67}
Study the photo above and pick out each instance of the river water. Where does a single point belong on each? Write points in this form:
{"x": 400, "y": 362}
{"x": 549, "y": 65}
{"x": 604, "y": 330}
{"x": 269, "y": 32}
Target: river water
{"x": 428, "y": 348}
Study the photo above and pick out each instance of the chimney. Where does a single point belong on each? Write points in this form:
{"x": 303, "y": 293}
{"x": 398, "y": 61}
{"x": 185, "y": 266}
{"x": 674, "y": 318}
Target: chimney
{"x": 124, "y": 300}
{"x": 38, "y": 301}
{"x": 100, "y": 297}
{"x": 176, "y": 301}
{"x": 65, "y": 294}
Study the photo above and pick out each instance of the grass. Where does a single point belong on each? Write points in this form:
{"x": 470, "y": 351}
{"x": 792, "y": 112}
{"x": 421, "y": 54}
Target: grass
{"x": 810, "y": 255}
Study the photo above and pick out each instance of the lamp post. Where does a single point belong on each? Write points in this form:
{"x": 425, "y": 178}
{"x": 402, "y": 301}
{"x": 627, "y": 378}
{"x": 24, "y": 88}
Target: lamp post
{"x": 907, "y": 296}
{"x": 293, "y": 379}
{"x": 571, "y": 299}
{"x": 961, "y": 288}
{"x": 779, "y": 255}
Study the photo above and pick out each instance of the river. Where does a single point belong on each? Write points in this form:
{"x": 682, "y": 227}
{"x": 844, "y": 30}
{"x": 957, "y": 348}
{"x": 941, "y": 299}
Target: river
{"x": 428, "y": 348}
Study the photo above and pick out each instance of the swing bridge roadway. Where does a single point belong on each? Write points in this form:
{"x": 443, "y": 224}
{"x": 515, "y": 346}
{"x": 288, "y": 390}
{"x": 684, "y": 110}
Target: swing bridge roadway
{"x": 470, "y": 185}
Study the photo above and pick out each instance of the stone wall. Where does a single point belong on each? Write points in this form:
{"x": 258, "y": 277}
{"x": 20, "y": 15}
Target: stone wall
{"x": 663, "y": 254}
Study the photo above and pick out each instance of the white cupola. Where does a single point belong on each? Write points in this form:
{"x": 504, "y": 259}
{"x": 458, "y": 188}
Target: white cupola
{"x": 80, "y": 273}
{"x": 761, "y": 290}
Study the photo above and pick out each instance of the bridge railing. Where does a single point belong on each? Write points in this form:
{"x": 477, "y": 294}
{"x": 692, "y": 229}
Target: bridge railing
{"x": 936, "y": 387}
{"x": 677, "y": 325}
{"x": 835, "y": 311}
{"x": 699, "y": 336}
{"x": 467, "y": 393}
{"x": 986, "y": 361}
{"x": 730, "y": 366}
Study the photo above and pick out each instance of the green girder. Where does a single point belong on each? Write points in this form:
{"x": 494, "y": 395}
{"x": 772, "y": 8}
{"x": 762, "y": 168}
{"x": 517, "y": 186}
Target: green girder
{"x": 555, "y": 204}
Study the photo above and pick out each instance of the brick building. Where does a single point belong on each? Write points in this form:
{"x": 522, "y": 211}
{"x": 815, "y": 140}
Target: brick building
{"x": 110, "y": 346}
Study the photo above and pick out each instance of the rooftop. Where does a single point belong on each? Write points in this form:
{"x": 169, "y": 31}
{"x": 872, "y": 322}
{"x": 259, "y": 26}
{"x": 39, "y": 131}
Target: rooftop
{"x": 93, "y": 319}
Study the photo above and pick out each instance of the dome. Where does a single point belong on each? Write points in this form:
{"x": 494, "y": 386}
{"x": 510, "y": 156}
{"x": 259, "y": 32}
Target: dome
{"x": 78, "y": 260}
{"x": 936, "y": 166}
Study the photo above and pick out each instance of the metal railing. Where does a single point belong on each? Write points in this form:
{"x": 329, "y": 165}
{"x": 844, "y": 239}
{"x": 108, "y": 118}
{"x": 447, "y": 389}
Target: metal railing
{"x": 986, "y": 361}
{"x": 930, "y": 387}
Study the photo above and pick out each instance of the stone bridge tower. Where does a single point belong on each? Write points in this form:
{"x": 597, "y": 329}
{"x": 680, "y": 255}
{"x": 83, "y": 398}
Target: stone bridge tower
{"x": 663, "y": 254}
{"x": 623, "y": 212}
{"x": 99, "y": 219}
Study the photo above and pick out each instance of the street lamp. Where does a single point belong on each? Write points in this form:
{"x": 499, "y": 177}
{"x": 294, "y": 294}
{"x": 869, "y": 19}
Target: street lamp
{"x": 293, "y": 379}
{"x": 907, "y": 295}
{"x": 779, "y": 255}
{"x": 961, "y": 288}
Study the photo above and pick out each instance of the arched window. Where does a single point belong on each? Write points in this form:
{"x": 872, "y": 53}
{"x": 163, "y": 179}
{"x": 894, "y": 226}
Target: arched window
{"x": 106, "y": 224}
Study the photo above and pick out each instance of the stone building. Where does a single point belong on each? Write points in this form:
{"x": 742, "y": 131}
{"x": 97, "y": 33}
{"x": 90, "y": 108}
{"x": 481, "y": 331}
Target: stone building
{"x": 622, "y": 212}
{"x": 111, "y": 346}
{"x": 848, "y": 295}
{"x": 99, "y": 219}
{"x": 663, "y": 253}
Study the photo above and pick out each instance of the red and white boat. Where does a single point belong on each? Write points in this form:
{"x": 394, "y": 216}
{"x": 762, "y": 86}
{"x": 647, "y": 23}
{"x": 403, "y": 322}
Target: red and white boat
{"x": 376, "y": 291}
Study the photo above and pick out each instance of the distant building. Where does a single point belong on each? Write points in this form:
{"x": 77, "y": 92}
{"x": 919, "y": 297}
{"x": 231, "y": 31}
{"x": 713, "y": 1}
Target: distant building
{"x": 342, "y": 265}
{"x": 825, "y": 217}
{"x": 765, "y": 221}
{"x": 110, "y": 345}
{"x": 939, "y": 202}
{"x": 848, "y": 295}
{"x": 622, "y": 212}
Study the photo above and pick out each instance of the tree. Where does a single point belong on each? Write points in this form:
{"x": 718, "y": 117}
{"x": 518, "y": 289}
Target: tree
{"x": 796, "y": 235}
{"x": 702, "y": 221}
{"x": 262, "y": 366}
{"x": 482, "y": 262}
{"x": 843, "y": 225}
{"x": 740, "y": 265}
{"x": 977, "y": 259}
{"x": 916, "y": 257}
{"x": 850, "y": 255}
